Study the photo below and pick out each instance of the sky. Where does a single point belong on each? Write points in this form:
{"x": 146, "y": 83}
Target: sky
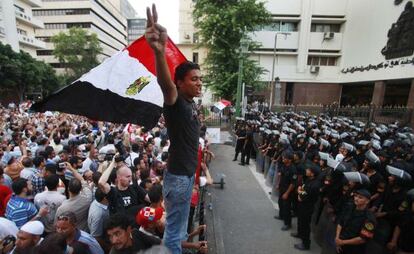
{"x": 167, "y": 14}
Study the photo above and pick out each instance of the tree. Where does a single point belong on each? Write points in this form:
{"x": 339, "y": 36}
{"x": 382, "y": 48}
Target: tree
{"x": 222, "y": 24}
{"x": 20, "y": 73}
{"x": 77, "y": 50}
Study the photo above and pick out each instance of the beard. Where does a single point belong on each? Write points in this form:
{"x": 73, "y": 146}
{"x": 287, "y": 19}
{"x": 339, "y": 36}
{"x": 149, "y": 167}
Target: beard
{"x": 27, "y": 250}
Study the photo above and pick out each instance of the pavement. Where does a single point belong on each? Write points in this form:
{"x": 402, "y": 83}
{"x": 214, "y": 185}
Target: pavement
{"x": 240, "y": 219}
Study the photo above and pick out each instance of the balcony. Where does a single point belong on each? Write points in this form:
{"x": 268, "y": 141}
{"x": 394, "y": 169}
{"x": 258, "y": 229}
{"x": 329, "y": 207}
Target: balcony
{"x": 284, "y": 42}
{"x": 325, "y": 41}
{"x": 31, "y": 41}
{"x": 29, "y": 20}
{"x": 33, "y": 3}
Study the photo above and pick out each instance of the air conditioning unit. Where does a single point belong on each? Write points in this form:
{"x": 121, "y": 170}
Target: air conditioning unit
{"x": 314, "y": 69}
{"x": 328, "y": 35}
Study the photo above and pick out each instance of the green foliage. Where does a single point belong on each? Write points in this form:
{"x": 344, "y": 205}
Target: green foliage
{"x": 21, "y": 73}
{"x": 77, "y": 50}
{"x": 222, "y": 24}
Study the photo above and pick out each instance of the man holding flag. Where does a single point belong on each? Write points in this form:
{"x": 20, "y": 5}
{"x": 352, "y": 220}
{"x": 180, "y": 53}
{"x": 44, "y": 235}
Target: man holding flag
{"x": 183, "y": 130}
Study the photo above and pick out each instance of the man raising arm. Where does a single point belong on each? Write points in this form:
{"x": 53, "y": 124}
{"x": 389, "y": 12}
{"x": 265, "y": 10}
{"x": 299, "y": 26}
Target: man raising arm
{"x": 183, "y": 129}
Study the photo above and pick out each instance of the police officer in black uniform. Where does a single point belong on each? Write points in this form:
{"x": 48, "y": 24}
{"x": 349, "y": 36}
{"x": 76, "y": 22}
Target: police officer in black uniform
{"x": 356, "y": 227}
{"x": 307, "y": 196}
{"x": 287, "y": 178}
{"x": 404, "y": 231}
{"x": 240, "y": 136}
{"x": 247, "y": 146}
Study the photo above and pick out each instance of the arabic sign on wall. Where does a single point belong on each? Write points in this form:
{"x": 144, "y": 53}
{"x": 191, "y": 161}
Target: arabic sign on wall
{"x": 399, "y": 43}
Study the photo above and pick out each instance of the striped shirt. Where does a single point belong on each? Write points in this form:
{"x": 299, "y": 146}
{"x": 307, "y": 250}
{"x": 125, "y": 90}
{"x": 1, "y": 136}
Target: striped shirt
{"x": 85, "y": 238}
{"x": 20, "y": 210}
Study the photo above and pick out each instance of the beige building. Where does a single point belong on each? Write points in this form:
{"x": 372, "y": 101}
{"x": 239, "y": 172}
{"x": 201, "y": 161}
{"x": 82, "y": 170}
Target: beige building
{"x": 101, "y": 17}
{"x": 18, "y": 25}
{"x": 350, "y": 52}
{"x": 188, "y": 40}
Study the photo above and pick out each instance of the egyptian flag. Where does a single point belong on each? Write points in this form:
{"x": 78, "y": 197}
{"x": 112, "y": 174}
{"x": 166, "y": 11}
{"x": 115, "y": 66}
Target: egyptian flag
{"x": 122, "y": 89}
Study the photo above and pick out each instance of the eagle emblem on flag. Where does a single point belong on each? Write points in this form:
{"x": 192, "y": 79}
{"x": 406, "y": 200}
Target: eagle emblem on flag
{"x": 137, "y": 85}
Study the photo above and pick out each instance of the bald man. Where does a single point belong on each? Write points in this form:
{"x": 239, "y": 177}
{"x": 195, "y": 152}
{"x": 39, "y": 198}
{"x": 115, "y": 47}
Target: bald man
{"x": 127, "y": 196}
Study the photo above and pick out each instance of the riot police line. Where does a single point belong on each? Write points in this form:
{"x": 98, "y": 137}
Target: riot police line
{"x": 347, "y": 181}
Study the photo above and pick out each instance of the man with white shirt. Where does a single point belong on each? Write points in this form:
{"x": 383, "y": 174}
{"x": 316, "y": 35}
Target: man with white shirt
{"x": 28, "y": 171}
{"x": 90, "y": 162}
{"x": 98, "y": 217}
{"x": 133, "y": 154}
{"x": 50, "y": 198}
{"x": 109, "y": 146}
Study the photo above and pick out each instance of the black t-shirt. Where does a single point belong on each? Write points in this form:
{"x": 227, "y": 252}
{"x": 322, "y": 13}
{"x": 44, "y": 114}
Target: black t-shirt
{"x": 183, "y": 129}
{"x": 128, "y": 201}
{"x": 140, "y": 241}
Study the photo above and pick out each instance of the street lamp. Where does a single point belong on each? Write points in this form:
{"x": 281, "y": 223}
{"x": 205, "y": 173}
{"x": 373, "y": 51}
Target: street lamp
{"x": 277, "y": 83}
{"x": 244, "y": 47}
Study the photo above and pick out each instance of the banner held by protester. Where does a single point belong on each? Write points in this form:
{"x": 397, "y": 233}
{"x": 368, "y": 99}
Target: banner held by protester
{"x": 122, "y": 89}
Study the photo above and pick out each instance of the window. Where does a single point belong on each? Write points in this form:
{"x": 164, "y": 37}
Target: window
{"x": 195, "y": 57}
{"x": 325, "y": 28}
{"x": 44, "y": 52}
{"x": 66, "y": 25}
{"x": 43, "y": 38}
{"x": 195, "y": 38}
{"x": 322, "y": 60}
{"x": 281, "y": 26}
{"x": 21, "y": 31}
{"x": 60, "y": 12}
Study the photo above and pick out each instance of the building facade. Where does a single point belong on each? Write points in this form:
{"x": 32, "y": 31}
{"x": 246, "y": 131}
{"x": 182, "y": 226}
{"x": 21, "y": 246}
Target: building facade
{"x": 18, "y": 25}
{"x": 96, "y": 16}
{"x": 136, "y": 28}
{"x": 188, "y": 42}
{"x": 346, "y": 51}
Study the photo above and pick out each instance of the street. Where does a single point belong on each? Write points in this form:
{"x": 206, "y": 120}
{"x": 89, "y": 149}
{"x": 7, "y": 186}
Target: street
{"x": 241, "y": 219}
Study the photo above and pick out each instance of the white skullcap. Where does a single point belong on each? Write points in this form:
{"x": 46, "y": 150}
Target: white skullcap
{"x": 33, "y": 227}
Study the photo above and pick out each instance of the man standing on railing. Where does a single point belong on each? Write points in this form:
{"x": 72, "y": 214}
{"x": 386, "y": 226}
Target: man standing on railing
{"x": 182, "y": 123}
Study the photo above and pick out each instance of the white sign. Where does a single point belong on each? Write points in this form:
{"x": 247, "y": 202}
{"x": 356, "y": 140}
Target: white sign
{"x": 213, "y": 135}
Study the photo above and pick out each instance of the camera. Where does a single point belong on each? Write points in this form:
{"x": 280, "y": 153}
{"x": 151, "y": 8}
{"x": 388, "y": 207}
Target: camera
{"x": 123, "y": 154}
{"x": 109, "y": 156}
{"x": 62, "y": 165}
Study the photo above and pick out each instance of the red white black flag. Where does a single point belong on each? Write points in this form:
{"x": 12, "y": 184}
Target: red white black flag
{"x": 122, "y": 89}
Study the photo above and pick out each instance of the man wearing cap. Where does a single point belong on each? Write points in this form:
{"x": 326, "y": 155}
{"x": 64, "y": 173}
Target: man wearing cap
{"x": 307, "y": 196}
{"x": 28, "y": 237}
{"x": 356, "y": 227}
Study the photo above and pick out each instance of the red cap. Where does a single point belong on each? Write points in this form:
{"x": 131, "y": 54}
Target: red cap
{"x": 148, "y": 215}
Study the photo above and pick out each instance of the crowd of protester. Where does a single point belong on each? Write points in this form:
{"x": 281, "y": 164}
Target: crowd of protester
{"x": 72, "y": 185}
{"x": 348, "y": 181}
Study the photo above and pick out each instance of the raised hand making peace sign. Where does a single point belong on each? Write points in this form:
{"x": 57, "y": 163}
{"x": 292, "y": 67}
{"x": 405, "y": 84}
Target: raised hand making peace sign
{"x": 155, "y": 34}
